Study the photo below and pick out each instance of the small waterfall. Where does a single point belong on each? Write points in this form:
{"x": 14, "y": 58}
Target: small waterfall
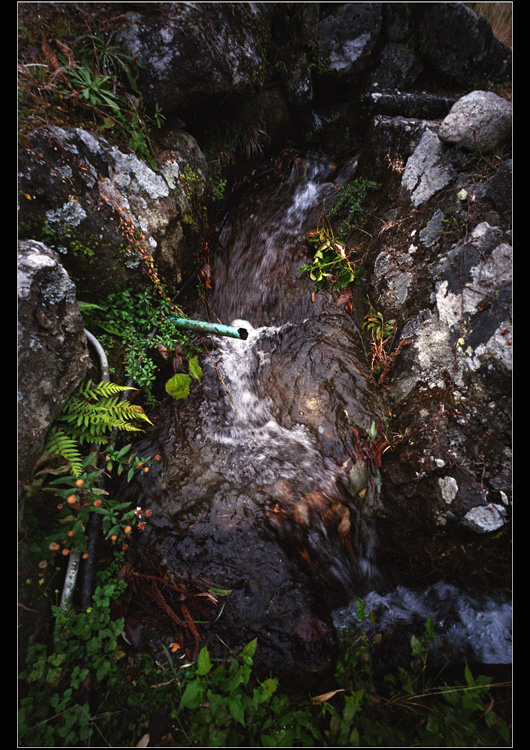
{"x": 261, "y": 452}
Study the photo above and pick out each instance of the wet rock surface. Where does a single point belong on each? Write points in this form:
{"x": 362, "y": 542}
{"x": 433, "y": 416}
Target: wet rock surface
{"x": 252, "y": 488}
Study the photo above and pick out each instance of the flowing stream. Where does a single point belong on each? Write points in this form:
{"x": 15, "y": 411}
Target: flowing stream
{"x": 254, "y": 486}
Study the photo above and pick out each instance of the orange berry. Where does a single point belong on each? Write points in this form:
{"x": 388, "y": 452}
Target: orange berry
{"x": 114, "y": 537}
{"x": 146, "y": 468}
{"x": 72, "y": 499}
{"x": 97, "y": 503}
{"x": 127, "y": 530}
{"x": 148, "y": 512}
{"x": 80, "y": 483}
{"x": 71, "y": 532}
{"x": 66, "y": 551}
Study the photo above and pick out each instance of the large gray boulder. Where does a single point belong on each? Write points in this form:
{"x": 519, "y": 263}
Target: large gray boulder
{"x": 52, "y": 348}
{"x": 439, "y": 266}
{"x": 194, "y": 54}
{"x": 480, "y": 119}
{"x": 108, "y": 213}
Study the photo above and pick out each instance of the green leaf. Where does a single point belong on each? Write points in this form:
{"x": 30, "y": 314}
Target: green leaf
{"x": 178, "y": 386}
{"x": 192, "y": 695}
{"x": 204, "y": 663}
{"x": 195, "y": 369}
{"x": 218, "y": 590}
{"x": 236, "y": 710}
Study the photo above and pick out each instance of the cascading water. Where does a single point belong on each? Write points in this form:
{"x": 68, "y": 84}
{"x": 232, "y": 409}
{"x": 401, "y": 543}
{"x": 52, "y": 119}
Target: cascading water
{"x": 254, "y": 488}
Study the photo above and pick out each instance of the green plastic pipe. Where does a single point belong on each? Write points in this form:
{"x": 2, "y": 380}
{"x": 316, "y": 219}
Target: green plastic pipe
{"x": 201, "y": 326}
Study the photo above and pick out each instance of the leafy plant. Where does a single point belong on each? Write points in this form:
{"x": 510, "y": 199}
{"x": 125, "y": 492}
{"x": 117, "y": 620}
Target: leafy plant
{"x": 139, "y": 324}
{"x": 179, "y": 385}
{"x": 104, "y": 53}
{"x": 54, "y": 711}
{"x": 380, "y": 327}
{"x": 77, "y": 495}
{"x": 331, "y": 261}
{"x": 350, "y": 205}
{"x": 92, "y": 75}
{"x": 95, "y": 88}
{"x": 382, "y": 331}
{"x": 94, "y": 411}
{"x": 224, "y": 706}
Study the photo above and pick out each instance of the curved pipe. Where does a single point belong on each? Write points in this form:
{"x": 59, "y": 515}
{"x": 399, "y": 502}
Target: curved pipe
{"x": 201, "y": 326}
{"x": 74, "y": 559}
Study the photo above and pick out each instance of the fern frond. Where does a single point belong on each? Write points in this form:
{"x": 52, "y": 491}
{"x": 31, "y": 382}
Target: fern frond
{"x": 58, "y": 443}
{"x": 102, "y": 389}
{"x": 93, "y": 412}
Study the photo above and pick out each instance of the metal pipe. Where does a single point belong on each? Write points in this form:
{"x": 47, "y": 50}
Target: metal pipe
{"x": 75, "y": 557}
{"x": 202, "y": 326}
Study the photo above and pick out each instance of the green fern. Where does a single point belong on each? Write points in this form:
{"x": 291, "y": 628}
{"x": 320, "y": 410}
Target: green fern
{"x": 91, "y": 415}
{"x": 93, "y": 412}
{"x": 58, "y": 443}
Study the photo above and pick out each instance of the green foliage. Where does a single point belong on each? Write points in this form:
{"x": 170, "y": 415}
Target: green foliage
{"x": 54, "y": 711}
{"x": 349, "y": 207}
{"x": 224, "y": 706}
{"x": 91, "y": 76}
{"x": 380, "y": 327}
{"x": 92, "y": 413}
{"x": 76, "y": 496}
{"x": 331, "y": 261}
{"x": 94, "y": 88}
{"x": 139, "y": 324}
{"x": 179, "y": 385}
{"x": 58, "y": 443}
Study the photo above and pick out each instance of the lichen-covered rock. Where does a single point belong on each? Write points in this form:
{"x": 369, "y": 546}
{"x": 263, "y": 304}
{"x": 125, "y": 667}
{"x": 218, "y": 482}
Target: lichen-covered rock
{"x": 193, "y": 54}
{"x": 426, "y": 172}
{"x": 348, "y": 36}
{"x": 52, "y": 349}
{"x": 439, "y": 266}
{"x": 108, "y": 213}
{"x": 480, "y": 120}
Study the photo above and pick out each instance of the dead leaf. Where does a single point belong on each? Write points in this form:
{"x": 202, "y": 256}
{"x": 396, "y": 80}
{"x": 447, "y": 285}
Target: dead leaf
{"x": 162, "y": 350}
{"x": 326, "y": 696}
{"x": 310, "y": 629}
{"x": 206, "y": 276}
{"x": 143, "y": 742}
{"x": 132, "y": 632}
{"x": 345, "y": 296}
